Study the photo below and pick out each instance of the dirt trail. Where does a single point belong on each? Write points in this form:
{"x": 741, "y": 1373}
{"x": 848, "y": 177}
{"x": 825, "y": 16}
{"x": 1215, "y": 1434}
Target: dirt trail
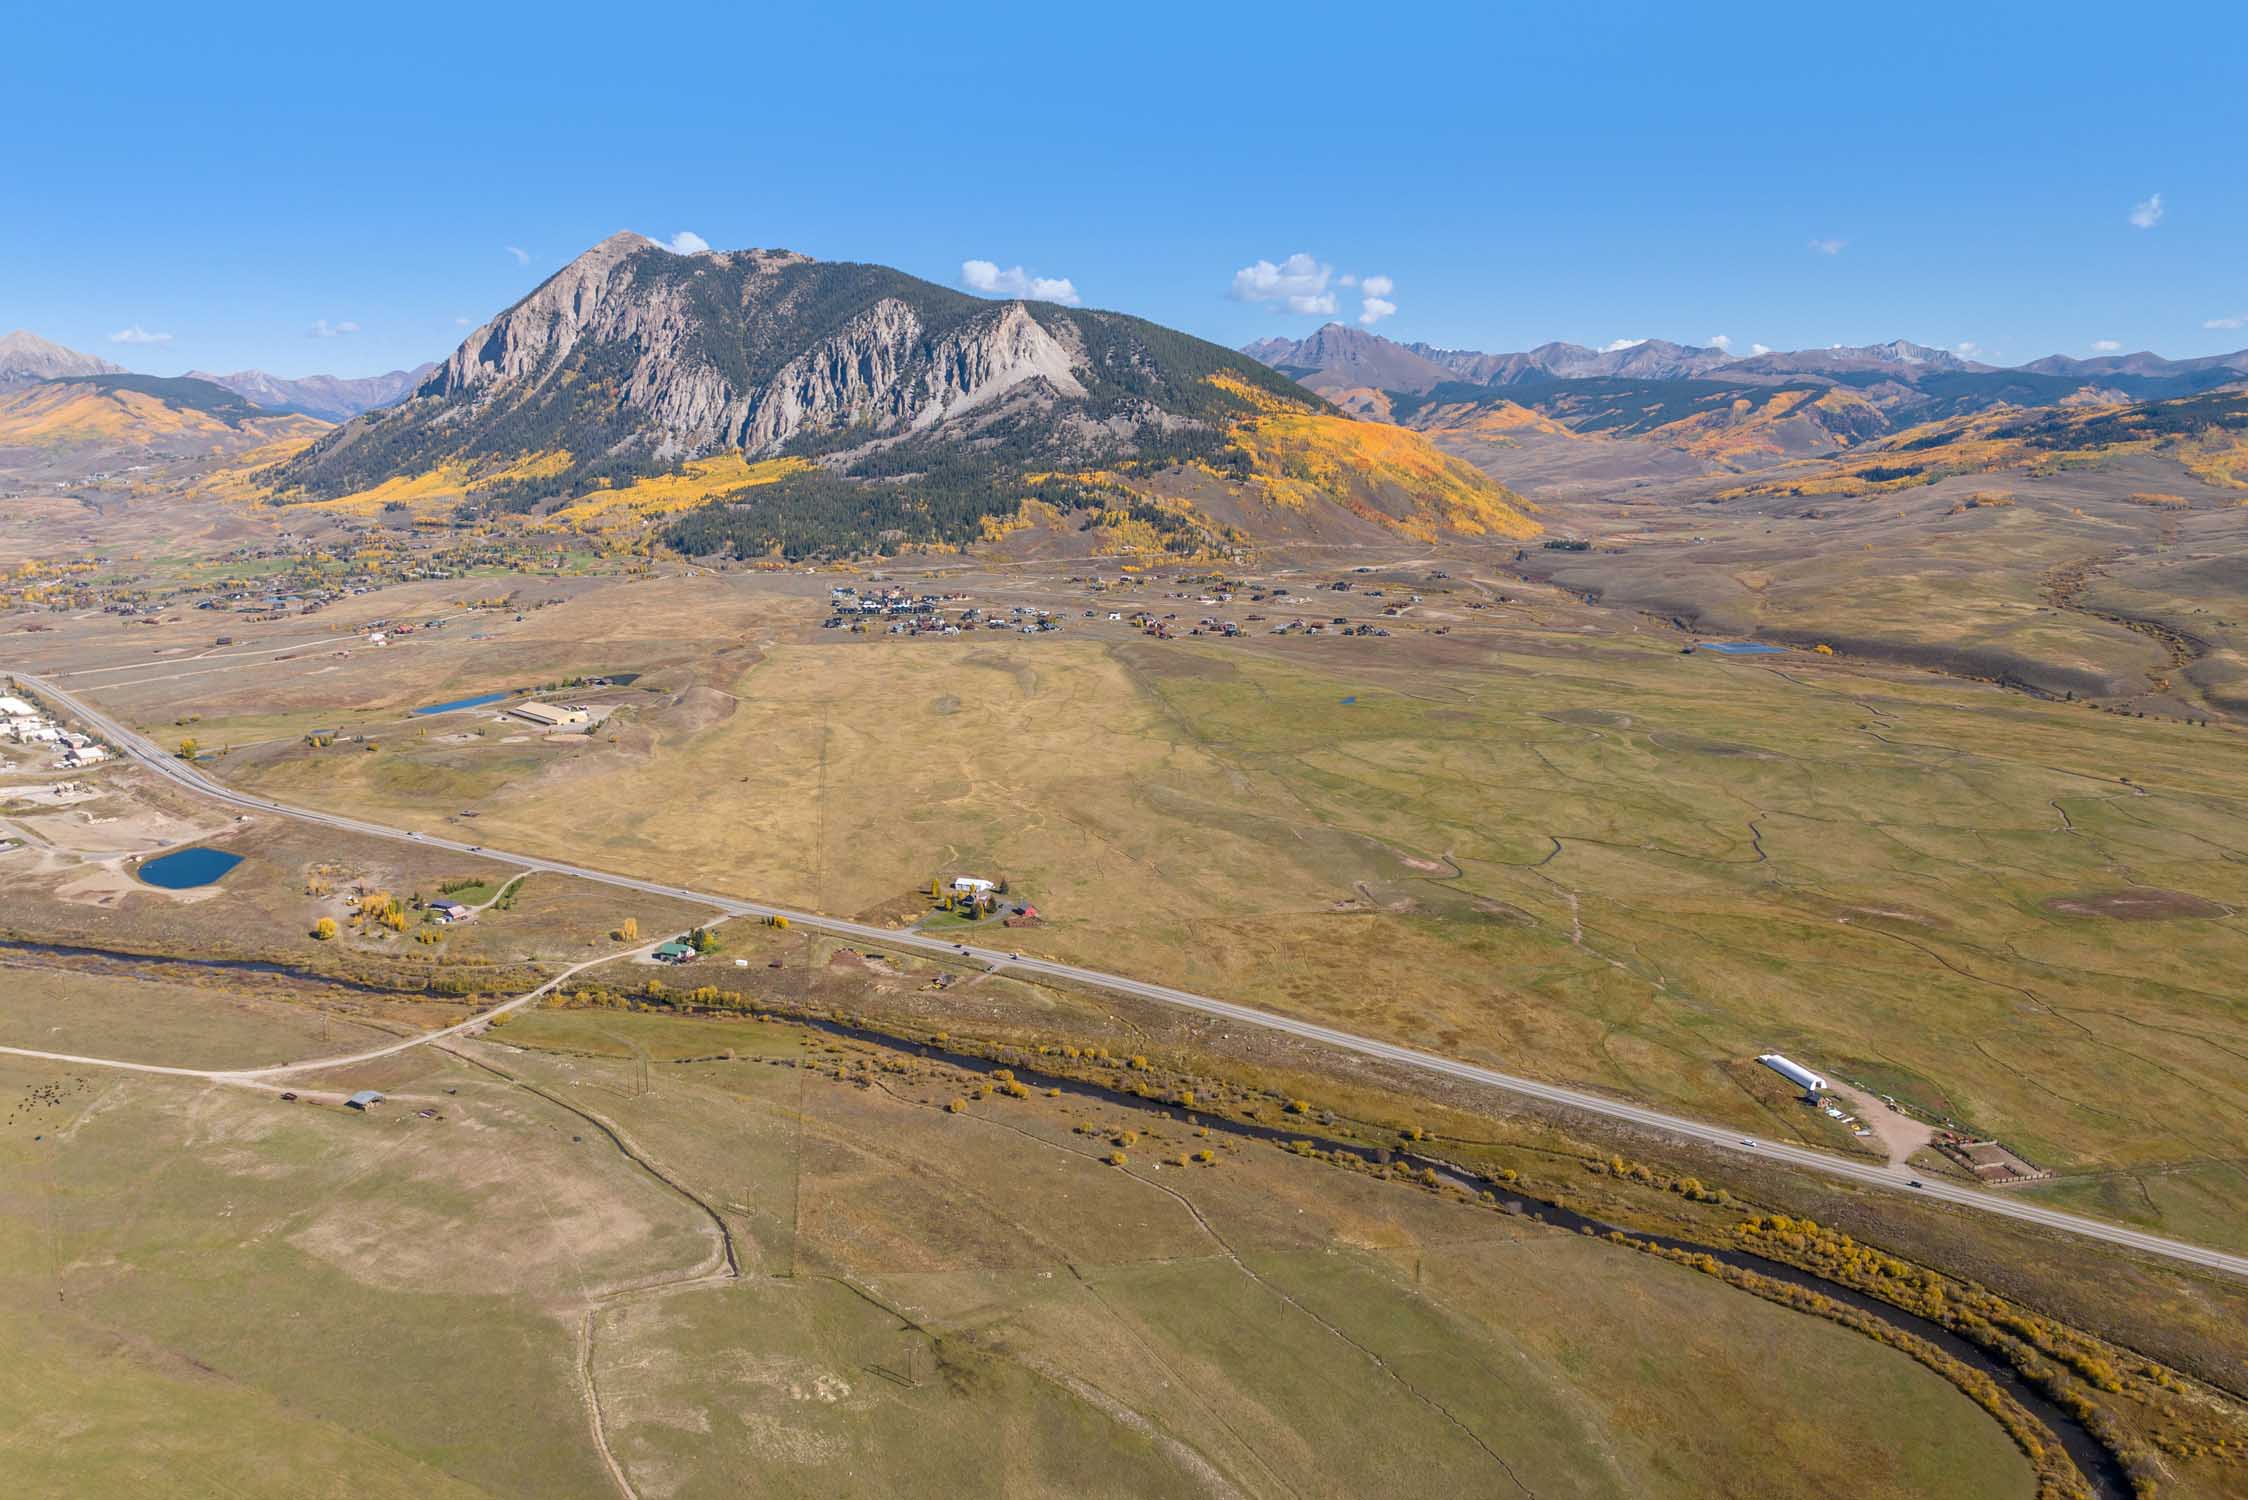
{"x": 723, "y": 1266}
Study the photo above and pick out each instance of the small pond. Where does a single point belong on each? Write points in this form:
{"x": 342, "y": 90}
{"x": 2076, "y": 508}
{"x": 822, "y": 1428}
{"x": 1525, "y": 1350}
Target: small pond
{"x": 459, "y": 703}
{"x": 1740, "y": 648}
{"x": 188, "y": 868}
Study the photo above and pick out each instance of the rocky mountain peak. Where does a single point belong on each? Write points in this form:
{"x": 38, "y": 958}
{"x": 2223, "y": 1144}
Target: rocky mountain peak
{"x": 27, "y": 359}
{"x": 634, "y": 355}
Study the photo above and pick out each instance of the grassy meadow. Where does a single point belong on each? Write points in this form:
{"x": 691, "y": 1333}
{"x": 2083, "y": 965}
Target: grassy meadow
{"x": 975, "y": 1301}
{"x": 1576, "y": 854}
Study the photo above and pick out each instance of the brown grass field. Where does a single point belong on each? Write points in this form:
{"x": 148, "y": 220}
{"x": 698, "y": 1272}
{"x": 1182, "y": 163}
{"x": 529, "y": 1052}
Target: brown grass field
{"x": 1521, "y": 829}
{"x": 1579, "y": 855}
{"x": 972, "y": 1301}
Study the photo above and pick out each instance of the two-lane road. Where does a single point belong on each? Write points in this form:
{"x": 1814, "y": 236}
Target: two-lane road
{"x": 1980, "y": 1200}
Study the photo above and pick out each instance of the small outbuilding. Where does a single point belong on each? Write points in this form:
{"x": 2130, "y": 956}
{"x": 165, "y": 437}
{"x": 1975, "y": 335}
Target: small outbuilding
{"x": 363, "y": 1100}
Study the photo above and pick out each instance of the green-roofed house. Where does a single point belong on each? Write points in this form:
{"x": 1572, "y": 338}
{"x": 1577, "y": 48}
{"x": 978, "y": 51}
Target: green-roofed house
{"x": 674, "y": 953}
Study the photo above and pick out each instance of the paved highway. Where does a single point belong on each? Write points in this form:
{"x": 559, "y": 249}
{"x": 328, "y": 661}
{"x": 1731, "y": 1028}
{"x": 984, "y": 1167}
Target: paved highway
{"x": 1896, "y": 1179}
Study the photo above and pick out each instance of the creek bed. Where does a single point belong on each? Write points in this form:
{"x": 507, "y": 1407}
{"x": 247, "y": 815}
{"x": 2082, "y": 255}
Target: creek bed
{"x": 2100, "y": 1467}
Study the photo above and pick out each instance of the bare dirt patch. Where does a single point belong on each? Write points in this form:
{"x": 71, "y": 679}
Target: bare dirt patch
{"x": 1899, "y": 1133}
{"x": 2139, "y": 903}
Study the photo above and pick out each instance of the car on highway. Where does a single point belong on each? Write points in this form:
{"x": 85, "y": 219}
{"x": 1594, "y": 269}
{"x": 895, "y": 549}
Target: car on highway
{"x": 1915, "y": 1182}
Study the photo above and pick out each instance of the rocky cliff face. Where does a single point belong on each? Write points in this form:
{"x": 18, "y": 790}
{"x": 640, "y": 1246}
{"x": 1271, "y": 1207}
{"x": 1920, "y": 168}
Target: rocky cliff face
{"x": 756, "y": 350}
{"x": 920, "y": 413}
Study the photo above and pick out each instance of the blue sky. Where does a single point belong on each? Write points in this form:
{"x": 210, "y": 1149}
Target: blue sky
{"x": 331, "y": 189}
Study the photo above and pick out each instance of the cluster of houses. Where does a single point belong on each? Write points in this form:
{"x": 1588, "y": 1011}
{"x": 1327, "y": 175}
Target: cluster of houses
{"x": 1336, "y": 626}
{"x": 273, "y": 603}
{"x": 845, "y": 599}
{"x": 26, "y": 725}
{"x": 929, "y": 614}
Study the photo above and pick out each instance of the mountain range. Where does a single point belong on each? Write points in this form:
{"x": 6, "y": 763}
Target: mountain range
{"x": 28, "y": 360}
{"x": 328, "y": 397}
{"x": 1706, "y": 400}
{"x": 1338, "y": 357}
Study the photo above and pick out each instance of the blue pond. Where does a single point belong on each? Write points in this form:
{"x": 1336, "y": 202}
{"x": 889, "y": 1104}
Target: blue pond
{"x": 1740, "y": 648}
{"x": 458, "y": 703}
{"x": 188, "y": 868}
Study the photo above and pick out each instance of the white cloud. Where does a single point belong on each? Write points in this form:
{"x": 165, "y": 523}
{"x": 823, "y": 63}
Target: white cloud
{"x": 1829, "y": 247}
{"x": 1346, "y": 280}
{"x": 1967, "y": 348}
{"x": 2105, "y": 346}
{"x": 1759, "y": 349}
{"x": 1723, "y": 341}
{"x": 464, "y": 323}
{"x": 2147, "y": 213}
{"x": 1374, "y": 302}
{"x": 323, "y": 329}
{"x": 138, "y": 335}
{"x": 1298, "y": 283}
{"x": 687, "y": 242}
{"x": 2237, "y": 320}
{"x": 1614, "y": 346}
{"x": 988, "y": 277}
{"x": 522, "y": 256}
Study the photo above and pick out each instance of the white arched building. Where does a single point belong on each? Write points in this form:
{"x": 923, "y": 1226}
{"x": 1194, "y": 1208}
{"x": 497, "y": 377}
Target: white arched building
{"x": 1794, "y": 1072}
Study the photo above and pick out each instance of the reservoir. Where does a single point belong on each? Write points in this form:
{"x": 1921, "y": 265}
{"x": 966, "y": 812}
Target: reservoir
{"x": 460, "y": 703}
{"x": 188, "y": 868}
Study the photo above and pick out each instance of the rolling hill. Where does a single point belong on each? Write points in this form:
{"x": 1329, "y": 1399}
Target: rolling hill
{"x": 764, "y": 402}
{"x": 2205, "y": 435}
{"x": 129, "y": 411}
